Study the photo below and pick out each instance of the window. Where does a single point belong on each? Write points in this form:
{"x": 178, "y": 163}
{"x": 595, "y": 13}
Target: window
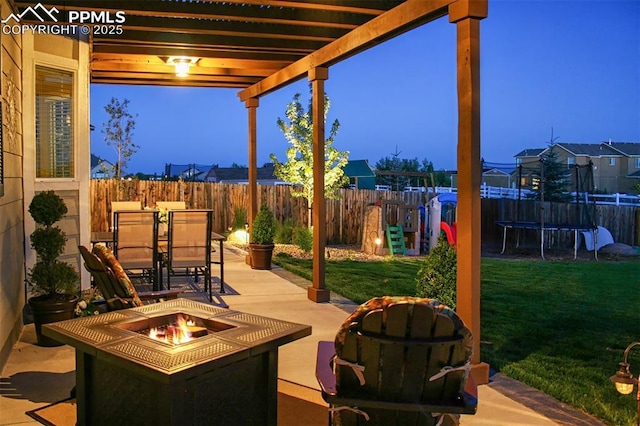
{"x": 518, "y": 161}
{"x": 54, "y": 123}
{"x": 612, "y": 161}
{"x": 638, "y": 163}
{"x": 571, "y": 161}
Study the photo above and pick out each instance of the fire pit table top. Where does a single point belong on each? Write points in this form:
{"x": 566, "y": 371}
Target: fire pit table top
{"x": 113, "y": 337}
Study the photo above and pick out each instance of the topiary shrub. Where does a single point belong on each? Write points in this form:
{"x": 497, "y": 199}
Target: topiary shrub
{"x": 436, "y": 278}
{"x": 284, "y": 232}
{"x": 264, "y": 227}
{"x": 49, "y": 277}
{"x": 303, "y": 238}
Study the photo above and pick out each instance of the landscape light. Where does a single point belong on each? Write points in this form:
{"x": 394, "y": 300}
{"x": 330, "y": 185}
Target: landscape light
{"x": 623, "y": 378}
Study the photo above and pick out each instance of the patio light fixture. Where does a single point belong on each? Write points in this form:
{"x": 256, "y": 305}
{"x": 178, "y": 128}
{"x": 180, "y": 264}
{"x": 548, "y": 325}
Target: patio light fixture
{"x": 623, "y": 378}
{"x": 182, "y": 64}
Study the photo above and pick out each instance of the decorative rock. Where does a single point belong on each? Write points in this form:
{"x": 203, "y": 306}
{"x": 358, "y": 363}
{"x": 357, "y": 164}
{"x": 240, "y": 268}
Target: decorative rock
{"x": 619, "y": 249}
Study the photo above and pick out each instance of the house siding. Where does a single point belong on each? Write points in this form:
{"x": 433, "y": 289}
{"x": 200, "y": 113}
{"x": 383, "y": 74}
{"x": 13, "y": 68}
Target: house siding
{"x": 12, "y": 271}
{"x": 20, "y": 54}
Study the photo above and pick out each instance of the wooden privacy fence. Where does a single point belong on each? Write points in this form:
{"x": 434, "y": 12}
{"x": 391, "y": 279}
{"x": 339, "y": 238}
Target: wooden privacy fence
{"x": 344, "y": 216}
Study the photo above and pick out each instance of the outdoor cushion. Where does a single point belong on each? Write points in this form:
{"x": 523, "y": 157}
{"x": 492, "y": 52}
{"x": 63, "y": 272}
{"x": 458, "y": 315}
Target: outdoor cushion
{"x": 107, "y": 257}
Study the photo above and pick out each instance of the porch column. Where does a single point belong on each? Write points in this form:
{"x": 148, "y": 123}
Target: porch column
{"x": 252, "y": 105}
{"x": 318, "y": 292}
{"x": 466, "y": 14}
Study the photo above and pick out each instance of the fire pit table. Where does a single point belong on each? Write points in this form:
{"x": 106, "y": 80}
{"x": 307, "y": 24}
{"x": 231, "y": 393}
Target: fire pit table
{"x": 225, "y": 375}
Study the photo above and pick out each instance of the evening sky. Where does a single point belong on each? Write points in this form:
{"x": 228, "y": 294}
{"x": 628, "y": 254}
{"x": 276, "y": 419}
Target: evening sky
{"x": 570, "y": 65}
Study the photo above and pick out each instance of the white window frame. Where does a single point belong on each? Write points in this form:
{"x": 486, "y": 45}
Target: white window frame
{"x": 612, "y": 161}
{"x": 71, "y": 66}
{"x": 571, "y": 161}
{"x": 638, "y": 163}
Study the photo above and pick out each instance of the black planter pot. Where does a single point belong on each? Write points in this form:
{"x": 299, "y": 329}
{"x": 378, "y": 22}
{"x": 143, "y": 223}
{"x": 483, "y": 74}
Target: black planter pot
{"x": 45, "y": 311}
{"x": 261, "y": 255}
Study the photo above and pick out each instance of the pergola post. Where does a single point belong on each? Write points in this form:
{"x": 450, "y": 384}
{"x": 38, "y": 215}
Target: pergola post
{"x": 252, "y": 106}
{"x": 317, "y": 292}
{"x": 466, "y": 14}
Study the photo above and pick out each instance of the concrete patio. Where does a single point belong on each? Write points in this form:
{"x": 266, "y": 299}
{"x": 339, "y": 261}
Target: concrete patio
{"x": 36, "y": 376}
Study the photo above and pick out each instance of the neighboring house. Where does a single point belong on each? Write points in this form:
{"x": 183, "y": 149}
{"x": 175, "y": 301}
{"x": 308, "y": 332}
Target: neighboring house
{"x": 240, "y": 175}
{"x": 616, "y": 165}
{"x": 186, "y": 172}
{"x": 101, "y": 169}
{"x": 499, "y": 175}
{"x": 360, "y": 174}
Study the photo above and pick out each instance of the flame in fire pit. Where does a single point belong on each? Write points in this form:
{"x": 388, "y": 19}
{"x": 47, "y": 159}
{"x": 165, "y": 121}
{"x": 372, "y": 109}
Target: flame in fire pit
{"x": 173, "y": 333}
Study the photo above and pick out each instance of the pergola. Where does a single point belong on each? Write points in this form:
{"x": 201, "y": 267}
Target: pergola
{"x": 259, "y": 46}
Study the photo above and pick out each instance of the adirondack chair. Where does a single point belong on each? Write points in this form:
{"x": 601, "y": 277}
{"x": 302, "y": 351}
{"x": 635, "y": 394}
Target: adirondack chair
{"x": 398, "y": 361}
{"x": 395, "y": 239}
{"x": 113, "y": 282}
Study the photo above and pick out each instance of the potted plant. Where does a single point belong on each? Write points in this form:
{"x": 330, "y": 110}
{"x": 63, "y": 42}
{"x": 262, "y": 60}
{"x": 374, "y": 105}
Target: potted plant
{"x": 261, "y": 240}
{"x": 53, "y": 283}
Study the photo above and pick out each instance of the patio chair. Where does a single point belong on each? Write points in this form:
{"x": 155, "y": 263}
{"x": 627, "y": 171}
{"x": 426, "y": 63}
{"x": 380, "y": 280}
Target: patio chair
{"x": 189, "y": 246}
{"x": 398, "y": 360}
{"x": 117, "y": 206}
{"x": 171, "y": 205}
{"x": 114, "y": 284}
{"x": 135, "y": 243}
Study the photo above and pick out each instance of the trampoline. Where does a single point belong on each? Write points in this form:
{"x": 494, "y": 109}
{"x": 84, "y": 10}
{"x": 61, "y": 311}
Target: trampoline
{"x": 581, "y": 217}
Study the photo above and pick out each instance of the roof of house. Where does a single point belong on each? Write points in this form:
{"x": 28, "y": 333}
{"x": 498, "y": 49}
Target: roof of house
{"x": 588, "y": 149}
{"x": 358, "y": 168}
{"x": 531, "y": 152}
{"x": 627, "y": 148}
{"x": 96, "y": 161}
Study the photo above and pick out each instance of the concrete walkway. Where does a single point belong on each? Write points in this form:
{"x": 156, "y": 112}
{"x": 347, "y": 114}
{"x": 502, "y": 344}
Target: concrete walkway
{"x": 273, "y": 294}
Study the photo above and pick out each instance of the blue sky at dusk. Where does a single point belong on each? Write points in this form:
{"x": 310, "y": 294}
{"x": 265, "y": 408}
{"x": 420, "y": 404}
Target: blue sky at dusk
{"x": 570, "y": 65}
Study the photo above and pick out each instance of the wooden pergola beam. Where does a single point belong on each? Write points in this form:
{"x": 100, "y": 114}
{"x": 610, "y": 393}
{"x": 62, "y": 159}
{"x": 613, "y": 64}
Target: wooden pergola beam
{"x": 198, "y": 26}
{"x": 397, "y": 20}
{"x": 211, "y": 40}
{"x": 199, "y": 52}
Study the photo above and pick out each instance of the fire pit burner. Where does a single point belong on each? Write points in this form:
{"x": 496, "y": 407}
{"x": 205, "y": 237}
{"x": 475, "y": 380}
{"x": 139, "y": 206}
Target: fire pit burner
{"x": 123, "y": 376}
{"x": 175, "y": 329}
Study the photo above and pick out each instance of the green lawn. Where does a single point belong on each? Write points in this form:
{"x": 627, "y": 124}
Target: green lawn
{"x": 560, "y": 327}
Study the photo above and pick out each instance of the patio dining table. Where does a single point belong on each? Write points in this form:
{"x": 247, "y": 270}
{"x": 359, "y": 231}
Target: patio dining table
{"x": 107, "y": 237}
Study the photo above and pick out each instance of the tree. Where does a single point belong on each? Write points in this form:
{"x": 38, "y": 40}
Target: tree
{"x": 554, "y": 176}
{"x": 118, "y": 131}
{"x": 397, "y": 164}
{"x": 298, "y": 169}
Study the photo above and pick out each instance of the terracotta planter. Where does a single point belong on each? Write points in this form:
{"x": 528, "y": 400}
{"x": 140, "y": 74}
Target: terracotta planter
{"x": 46, "y": 311}
{"x": 261, "y": 255}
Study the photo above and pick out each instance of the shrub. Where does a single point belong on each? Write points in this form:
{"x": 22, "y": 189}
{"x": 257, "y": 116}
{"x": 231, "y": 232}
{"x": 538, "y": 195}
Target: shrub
{"x": 239, "y": 218}
{"x": 436, "y": 278}
{"x": 50, "y": 277}
{"x": 284, "y": 232}
{"x": 263, "y": 227}
{"x": 303, "y": 238}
